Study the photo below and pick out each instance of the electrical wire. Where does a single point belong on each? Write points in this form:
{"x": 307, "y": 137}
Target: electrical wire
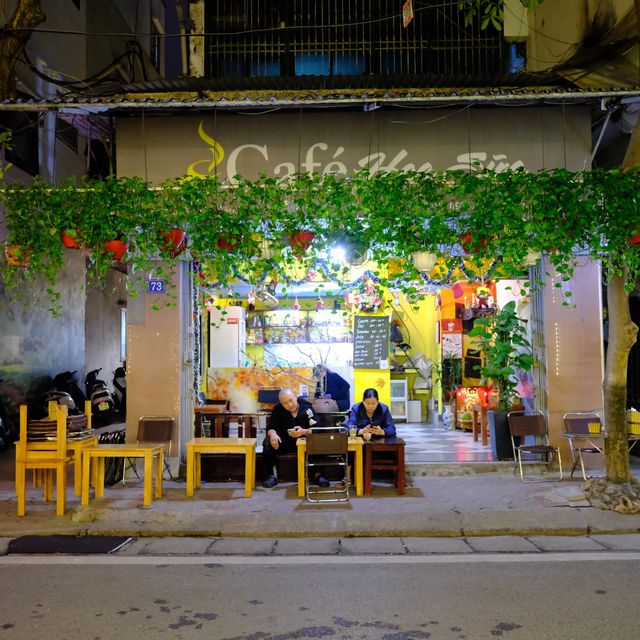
{"x": 132, "y": 52}
{"x": 395, "y": 16}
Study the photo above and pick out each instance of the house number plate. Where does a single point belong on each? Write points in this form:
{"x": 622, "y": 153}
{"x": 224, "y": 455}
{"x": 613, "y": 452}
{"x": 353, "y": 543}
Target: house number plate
{"x": 157, "y": 286}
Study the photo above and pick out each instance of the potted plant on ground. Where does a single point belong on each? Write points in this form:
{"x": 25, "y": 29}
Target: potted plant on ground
{"x": 449, "y": 374}
{"x": 466, "y": 421}
{"x": 506, "y": 350}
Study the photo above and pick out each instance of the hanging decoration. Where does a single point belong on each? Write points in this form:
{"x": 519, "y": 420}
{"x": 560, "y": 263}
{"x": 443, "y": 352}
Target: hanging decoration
{"x": 251, "y": 300}
{"x": 366, "y": 295}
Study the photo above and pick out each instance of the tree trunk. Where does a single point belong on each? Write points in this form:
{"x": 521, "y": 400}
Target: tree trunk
{"x": 13, "y": 39}
{"x": 622, "y": 336}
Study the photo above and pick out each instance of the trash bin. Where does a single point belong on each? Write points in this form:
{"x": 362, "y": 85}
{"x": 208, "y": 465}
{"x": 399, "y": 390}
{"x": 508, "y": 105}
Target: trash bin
{"x": 414, "y": 411}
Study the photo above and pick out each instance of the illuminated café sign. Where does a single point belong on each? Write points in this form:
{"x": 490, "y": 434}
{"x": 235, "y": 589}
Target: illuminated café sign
{"x": 322, "y": 157}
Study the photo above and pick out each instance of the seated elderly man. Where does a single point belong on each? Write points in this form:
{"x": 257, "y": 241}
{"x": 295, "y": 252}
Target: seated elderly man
{"x": 290, "y": 419}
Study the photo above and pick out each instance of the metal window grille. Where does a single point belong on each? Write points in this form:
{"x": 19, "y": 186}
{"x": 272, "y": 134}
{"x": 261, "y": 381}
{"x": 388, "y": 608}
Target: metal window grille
{"x": 260, "y": 38}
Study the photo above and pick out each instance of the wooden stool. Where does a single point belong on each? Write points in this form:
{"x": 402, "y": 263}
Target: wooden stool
{"x": 393, "y": 446}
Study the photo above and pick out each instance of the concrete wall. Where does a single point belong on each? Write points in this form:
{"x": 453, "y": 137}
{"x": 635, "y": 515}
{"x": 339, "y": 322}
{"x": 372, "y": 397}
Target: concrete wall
{"x": 102, "y": 325}
{"x": 574, "y": 348}
{"x": 35, "y": 345}
{"x": 154, "y": 363}
{"x": 556, "y": 28}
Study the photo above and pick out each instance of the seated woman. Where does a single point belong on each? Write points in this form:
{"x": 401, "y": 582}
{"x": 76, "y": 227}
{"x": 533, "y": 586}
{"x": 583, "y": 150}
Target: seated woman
{"x": 371, "y": 418}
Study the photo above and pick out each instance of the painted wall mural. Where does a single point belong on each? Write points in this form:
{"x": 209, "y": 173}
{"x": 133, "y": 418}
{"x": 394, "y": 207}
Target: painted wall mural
{"x": 241, "y": 386}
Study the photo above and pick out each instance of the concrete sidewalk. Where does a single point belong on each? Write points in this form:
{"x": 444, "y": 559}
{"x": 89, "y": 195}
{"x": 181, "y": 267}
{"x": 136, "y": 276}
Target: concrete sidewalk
{"x": 475, "y": 504}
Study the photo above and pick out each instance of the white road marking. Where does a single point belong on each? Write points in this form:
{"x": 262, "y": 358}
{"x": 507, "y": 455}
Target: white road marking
{"x": 475, "y": 558}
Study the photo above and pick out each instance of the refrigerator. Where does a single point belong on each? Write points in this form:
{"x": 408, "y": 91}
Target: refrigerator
{"x": 227, "y": 337}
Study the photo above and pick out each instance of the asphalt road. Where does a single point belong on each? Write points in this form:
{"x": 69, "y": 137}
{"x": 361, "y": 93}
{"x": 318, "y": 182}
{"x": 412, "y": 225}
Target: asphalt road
{"x": 449, "y": 597}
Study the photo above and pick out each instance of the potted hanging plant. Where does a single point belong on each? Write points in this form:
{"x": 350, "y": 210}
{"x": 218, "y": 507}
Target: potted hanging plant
{"x": 174, "y": 241}
{"x": 300, "y": 241}
{"x": 116, "y": 247}
{"x": 113, "y": 217}
{"x": 33, "y": 257}
{"x": 506, "y": 351}
{"x": 17, "y": 255}
{"x": 71, "y": 238}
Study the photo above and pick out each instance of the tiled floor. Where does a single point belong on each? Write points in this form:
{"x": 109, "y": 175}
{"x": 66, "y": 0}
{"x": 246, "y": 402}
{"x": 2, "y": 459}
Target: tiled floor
{"x": 429, "y": 443}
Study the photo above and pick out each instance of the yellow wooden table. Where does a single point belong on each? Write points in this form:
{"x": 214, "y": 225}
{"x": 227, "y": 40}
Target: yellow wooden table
{"x": 102, "y": 451}
{"x": 198, "y": 446}
{"x": 75, "y": 448}
{"x": 355, "y": 445}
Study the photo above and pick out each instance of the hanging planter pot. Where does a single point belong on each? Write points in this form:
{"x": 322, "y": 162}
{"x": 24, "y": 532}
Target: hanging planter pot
{"x": 116, "y": 247}
{"x": 470, "y": 244}
{"x": 71, "y": 239}
{"x": 227, "y": 245}
{"x": 424, "y": 261}
{"x": 300, "y": 241}
{"x": 17, "y": 255}
{"x": 267, "y": 248}
{"x": 357, "y": 254}
{"x": 175, "y": 241}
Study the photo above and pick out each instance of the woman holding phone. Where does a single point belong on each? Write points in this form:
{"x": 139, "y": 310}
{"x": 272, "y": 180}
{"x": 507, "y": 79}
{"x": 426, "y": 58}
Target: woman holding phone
{"x": 371, "y": 418}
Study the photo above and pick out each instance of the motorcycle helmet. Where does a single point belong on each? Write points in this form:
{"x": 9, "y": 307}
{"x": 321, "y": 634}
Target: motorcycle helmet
{"x": 61, "y": 397}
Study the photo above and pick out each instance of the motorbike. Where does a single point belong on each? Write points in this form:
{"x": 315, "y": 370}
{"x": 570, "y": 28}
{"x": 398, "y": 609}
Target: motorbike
{"x": 102, "y": 404}
{"x": 65, "y": 390}
{"x": 68, "y": 381}
{"x": 120, "y": 390}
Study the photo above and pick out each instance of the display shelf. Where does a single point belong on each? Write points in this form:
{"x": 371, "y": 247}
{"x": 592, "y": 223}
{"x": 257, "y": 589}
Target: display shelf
{"x": 287, "y": 326}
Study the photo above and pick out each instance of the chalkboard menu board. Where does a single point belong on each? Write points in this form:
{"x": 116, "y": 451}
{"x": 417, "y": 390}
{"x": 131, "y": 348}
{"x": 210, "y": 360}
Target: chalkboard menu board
{"x": 371, "y": 342}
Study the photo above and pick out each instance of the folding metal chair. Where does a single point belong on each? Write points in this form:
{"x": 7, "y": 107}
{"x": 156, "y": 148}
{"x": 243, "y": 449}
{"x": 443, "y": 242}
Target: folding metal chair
{"x": 327, "y": 448}
{"x": 531, "y": 424}
{"x": 152, "y": 430}
{"x": 583, "y": 429}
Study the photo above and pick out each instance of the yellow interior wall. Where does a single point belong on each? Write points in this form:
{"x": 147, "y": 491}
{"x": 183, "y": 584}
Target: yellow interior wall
{"x": 418, "y": 329}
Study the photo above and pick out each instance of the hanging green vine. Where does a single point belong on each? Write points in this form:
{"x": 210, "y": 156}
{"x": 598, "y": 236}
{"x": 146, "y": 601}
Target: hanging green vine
{"x": 250, "y": 228}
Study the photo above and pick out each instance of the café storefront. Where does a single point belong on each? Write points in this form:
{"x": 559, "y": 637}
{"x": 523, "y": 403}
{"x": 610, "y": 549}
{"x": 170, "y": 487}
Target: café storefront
{"x": 280, "y": 336}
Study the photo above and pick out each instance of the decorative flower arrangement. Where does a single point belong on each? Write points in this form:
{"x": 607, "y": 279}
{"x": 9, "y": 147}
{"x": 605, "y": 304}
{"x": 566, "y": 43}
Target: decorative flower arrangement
{"x": 365, "y": 296}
